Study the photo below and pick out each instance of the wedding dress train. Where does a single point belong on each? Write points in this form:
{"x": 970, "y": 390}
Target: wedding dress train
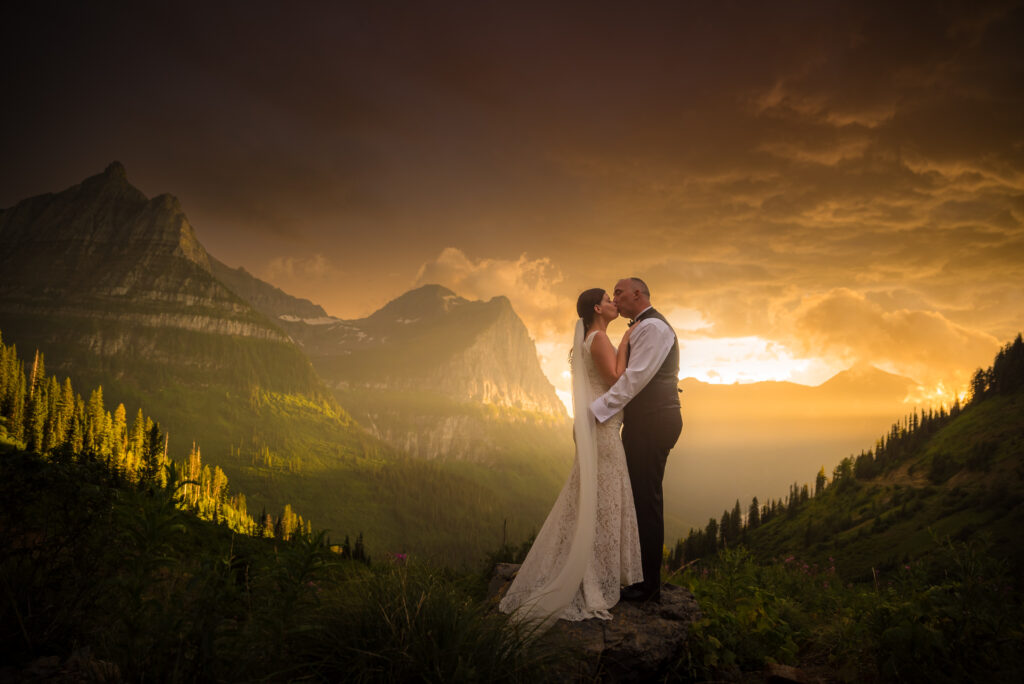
{"x": 588, "y": 546}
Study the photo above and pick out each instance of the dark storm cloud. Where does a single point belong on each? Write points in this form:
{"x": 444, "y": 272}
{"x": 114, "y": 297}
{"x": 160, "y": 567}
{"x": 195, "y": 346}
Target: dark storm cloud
{"x": 753, "y": 158}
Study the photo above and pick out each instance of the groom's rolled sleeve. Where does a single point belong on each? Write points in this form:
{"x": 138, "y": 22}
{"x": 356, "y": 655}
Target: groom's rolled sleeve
{"x": 649, "y": 344}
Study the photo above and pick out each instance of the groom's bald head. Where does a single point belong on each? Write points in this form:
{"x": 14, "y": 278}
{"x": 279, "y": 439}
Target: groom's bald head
{"x": 631, "y": 296}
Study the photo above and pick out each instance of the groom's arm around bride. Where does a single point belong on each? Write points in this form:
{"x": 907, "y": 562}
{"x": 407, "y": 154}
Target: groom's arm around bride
{"x": 648, "y": 396}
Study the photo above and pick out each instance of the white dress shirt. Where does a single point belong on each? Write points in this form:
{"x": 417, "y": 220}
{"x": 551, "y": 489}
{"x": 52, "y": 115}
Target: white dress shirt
{"x": 649, "y": 343}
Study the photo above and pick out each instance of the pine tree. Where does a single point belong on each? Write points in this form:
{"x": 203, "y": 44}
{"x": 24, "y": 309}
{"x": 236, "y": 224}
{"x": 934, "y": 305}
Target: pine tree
{"x": 725, "y": 531}
{"x": 287, "y": 522}
{"x": 52, "y": 433}
{"x": 153, "y": 454}
{"x": 94, "y": 421}
{"x": 137, "y": 439}
{"x": 38, "y": 374}
{"x": 17, "y": 414}
{"x": 65, "y": 410}
{"x": 35, "y": 417}
{"x": 819, "y": 482}
{"x": 711, "y": 535}
{"x": 754, "y": 515}
{"x": 218, "y": 485}
{"x": 76, "y": 431}
{"x": 119, "y": 435}
{"x": 735, "y": 523}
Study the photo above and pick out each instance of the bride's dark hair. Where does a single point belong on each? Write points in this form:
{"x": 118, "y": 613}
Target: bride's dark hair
{"x": 588, "y": 299}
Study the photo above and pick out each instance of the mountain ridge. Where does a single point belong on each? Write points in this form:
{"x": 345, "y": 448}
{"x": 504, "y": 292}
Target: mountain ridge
{"x": 118, "y": 293}
{"x": 936, "y": 474}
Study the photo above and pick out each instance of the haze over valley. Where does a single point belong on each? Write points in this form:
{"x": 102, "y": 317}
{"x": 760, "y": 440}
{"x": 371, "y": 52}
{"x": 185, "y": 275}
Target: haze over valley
{"x": 340, "y": 417}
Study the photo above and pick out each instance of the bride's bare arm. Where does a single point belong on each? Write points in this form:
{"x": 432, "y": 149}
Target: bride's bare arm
{"x": 605, "y": 360}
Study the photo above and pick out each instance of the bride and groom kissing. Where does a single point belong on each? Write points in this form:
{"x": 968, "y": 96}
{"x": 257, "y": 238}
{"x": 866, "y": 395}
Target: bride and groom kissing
{"x": 602, "y": 541}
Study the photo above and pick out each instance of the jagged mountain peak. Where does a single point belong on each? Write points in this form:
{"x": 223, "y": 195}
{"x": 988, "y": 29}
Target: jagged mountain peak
{"x": 868, "y": 379}
{"x": 102, "y": 218}
{"x": 111, "y": 185}
{"x": 430, "y": 339}
{"x": 103, "y": 271}
{"x": 422, "y": 302}
{"x": 115, "y": 169}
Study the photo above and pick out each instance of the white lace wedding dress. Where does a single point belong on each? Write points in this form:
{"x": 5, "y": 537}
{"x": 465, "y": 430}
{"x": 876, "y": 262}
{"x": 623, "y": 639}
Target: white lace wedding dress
{"x": 588, "y": 547}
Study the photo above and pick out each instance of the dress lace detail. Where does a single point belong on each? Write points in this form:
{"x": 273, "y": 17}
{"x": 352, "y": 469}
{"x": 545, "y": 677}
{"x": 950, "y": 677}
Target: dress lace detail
{"x": 615, "y": 557}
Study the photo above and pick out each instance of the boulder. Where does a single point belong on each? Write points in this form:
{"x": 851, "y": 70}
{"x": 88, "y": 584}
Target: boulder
{"x": 642, "y": 641}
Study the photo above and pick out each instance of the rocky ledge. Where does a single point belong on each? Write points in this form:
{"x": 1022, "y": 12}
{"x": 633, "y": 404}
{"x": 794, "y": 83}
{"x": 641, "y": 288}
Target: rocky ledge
{"x": 641, "y": 642}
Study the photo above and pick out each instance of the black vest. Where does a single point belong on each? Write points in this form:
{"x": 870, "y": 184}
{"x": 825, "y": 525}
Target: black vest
{"x": 662, "y": 392}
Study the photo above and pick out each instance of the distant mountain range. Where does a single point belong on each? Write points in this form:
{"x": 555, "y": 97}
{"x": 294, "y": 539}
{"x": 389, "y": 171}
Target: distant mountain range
{"x": 115, "y": 290}
{"x": 756, "y": 439}
{"x": 364, "y": 424}
{"x": 953, "y": 475}
{"x": 436, "y": 375}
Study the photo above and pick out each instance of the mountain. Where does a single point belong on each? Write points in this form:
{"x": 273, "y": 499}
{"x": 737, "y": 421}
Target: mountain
{"x": 100, "y": 269}
{"x": 430, "y": 339}
{"x": 116, "y": 291}
{"x": 746, "y": 440}
{"x": 956, "y": 474}
{"x": 272, "y": 302}
{"x": 441, "y": 377}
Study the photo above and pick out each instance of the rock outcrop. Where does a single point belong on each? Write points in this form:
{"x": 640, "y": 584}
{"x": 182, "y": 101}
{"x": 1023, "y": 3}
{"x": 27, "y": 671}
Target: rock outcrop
{"x": 642, "y": 642}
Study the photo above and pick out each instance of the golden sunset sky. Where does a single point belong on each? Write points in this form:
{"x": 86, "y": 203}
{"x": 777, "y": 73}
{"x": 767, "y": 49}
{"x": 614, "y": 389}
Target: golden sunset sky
{"x": 805, "y": 186}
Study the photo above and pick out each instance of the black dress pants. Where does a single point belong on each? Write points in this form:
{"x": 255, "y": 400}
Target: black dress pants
{"x": 647, "y": 439}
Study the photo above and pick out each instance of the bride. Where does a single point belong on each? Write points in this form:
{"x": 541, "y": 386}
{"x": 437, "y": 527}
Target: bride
{"x": 588, "y": 546}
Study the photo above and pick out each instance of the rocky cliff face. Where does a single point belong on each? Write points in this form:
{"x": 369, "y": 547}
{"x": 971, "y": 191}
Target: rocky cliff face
{"x": 272, "y": 302}
{"x": 104, "y": 234}
{"x": 431, "y": 340}
{"x": 435, "y": 375}
{"x": 103, "y": 277}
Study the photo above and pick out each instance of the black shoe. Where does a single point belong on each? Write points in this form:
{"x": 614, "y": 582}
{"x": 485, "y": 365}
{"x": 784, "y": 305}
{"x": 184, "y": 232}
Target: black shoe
{"x": 639, "y": 594}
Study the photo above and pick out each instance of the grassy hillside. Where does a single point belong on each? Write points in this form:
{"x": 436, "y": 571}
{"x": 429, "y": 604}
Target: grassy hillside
{"x": 104, "y": 580}
{"x": 956, "y": 474}
{"x": 966, "y": 480}
{"x": 280, "y": 448}
{"x": 905, "y": 566}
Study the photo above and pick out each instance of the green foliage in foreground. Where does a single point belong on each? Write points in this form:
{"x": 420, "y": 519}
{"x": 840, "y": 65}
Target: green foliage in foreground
{"x": 955, "y": 618}
{"x": 118, "y": 582}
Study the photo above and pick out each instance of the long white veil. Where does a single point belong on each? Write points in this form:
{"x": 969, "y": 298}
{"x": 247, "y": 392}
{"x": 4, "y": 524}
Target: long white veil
{"x": 547, "y": 601}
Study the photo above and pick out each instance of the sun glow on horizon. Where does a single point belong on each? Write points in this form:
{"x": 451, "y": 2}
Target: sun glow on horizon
{"x": 716, "y": 361}
{"x": 732, "y": 360}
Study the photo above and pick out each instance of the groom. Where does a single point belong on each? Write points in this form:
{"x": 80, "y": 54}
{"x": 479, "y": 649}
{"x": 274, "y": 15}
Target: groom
{"x": 648, "y": 395}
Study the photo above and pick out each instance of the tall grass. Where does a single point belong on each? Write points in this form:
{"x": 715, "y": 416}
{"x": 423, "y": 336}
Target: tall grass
{"x": 97, "y": 571}
{"x": 955, "y": 617}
